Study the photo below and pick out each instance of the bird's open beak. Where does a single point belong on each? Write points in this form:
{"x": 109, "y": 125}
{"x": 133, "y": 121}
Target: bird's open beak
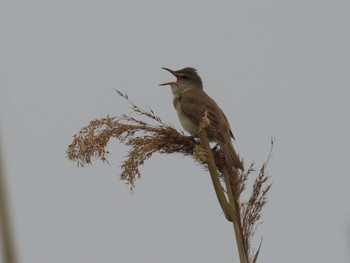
{"x": 169, "y": 83}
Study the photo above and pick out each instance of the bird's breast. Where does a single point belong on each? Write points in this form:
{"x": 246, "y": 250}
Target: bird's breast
{"x": 185, "y": 121}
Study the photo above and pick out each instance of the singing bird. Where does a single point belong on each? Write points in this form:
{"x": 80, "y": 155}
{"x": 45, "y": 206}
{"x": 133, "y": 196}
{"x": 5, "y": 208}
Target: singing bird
{"x": 191, "y": 102}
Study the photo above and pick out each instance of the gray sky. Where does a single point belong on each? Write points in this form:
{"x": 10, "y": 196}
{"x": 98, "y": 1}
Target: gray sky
{"x": 275, "y": 67}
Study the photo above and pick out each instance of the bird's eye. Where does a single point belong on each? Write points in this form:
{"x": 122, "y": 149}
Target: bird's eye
{"x": 184, "y": 77}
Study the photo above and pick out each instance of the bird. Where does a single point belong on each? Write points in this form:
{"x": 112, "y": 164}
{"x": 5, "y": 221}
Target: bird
{"x": 191, "y": 103}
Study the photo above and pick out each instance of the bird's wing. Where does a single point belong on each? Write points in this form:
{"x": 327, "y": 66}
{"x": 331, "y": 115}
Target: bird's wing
{"x": 231, "y": 133}
{"x": 195, "y": 106}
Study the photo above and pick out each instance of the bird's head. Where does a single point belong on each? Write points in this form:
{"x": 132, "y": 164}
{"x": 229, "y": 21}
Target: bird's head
{"x": 186, "y": 78}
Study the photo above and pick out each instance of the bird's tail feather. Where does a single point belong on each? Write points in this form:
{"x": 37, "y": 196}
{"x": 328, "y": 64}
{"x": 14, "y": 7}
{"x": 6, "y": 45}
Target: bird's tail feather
{"x": 231, "y": 155}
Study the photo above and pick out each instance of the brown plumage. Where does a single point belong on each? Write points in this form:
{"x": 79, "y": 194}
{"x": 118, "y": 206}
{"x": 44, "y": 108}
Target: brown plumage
{"x": 191, "y": 103}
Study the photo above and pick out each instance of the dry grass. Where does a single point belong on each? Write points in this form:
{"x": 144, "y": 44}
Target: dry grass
{"x": 252, "y": 208}
{"x": 152, "y": 135}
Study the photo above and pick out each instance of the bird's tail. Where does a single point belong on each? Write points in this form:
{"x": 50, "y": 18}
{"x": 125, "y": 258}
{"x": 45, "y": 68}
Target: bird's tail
{"x": 231, "y": 155}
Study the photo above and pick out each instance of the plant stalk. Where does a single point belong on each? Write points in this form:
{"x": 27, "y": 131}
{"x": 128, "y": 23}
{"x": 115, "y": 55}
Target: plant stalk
{"x": 229, "y": 208}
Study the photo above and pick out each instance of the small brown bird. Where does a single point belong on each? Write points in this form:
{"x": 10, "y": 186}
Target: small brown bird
{"x": 191, "y": 103}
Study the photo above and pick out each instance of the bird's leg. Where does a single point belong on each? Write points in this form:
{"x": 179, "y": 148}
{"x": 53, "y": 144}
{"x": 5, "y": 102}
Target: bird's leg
{"x": 215, "y": 148}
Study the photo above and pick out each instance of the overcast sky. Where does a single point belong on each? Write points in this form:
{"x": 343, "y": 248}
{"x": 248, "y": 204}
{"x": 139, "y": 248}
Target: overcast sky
{"x": 276, "y": 68}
